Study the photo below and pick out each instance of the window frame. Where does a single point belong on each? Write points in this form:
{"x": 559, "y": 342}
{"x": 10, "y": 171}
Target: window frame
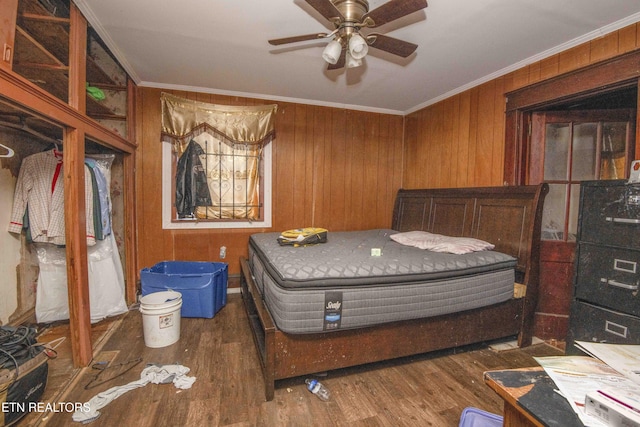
{"x": 605, "y": 76}
{"x": 571, "y": 182}
{"x": 168, "y": 197}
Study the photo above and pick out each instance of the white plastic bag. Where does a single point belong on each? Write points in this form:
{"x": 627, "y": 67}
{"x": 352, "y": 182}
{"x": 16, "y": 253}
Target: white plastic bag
{"x": 106, "y": 282}
{"x": 52, "y": 302}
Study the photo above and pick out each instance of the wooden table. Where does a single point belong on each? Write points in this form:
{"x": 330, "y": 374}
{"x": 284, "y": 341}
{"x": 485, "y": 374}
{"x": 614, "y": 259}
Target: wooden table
{"x": 530, "y": 398}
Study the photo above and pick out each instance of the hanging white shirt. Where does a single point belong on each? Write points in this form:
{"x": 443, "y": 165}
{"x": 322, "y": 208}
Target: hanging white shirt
{"x": 40, "y": 188}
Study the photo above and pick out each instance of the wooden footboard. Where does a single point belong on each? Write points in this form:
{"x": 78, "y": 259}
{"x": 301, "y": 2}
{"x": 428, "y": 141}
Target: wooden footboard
{"x": 508, "y": 216}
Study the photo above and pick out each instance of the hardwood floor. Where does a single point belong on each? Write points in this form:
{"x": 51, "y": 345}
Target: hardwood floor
{"x": 428, "y": 390}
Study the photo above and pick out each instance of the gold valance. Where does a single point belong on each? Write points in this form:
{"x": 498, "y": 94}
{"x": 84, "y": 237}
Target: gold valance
{"x": 182, "y": 119}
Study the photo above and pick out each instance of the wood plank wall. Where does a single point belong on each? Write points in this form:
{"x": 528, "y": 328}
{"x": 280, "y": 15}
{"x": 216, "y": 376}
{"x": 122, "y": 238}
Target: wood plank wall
{"x": 340, "y": 169}
{"x": 459, "y": 141}
{"x": 332, "y": 168}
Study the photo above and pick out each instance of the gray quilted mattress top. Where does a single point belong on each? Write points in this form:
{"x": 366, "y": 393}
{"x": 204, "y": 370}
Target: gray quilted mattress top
{"x": 346, "y": 260}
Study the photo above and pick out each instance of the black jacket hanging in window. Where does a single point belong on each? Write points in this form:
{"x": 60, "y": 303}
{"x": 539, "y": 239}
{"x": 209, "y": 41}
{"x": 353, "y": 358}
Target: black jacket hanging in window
{"x": 191, "y": 182}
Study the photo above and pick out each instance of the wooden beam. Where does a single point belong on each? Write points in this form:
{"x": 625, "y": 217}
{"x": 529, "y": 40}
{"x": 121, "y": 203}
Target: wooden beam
{"x": 76, "y": 246}
{"x": 75, "y": 203}
{"x": 130, "y": 235}
{"x": 43, "y": 18}
{"x": 43, "y": 50}
{"x": 77, "y": 60}
{"x": 603, "y": 76}
{"x": 8, "y": 15}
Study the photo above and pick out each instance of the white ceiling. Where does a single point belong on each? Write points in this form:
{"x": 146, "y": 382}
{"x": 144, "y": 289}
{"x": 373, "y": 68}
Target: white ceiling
{"x": 220, "y": 46}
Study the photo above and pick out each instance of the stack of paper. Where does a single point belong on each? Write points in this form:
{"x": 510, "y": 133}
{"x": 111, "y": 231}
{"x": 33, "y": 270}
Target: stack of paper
{"x": 612, "y": 367}
{"x": 623, "y": 358}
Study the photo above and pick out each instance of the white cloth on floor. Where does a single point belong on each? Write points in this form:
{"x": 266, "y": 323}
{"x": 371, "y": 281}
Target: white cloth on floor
{"x": 156, "y": 374}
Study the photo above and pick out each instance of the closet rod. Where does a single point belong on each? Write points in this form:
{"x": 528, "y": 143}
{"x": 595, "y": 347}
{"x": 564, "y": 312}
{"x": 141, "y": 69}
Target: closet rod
{"x": 24, "y": 127}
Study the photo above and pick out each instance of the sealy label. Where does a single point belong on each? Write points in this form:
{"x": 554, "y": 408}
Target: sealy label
{"x": 332, "y": 310}
{"x": 333, "y": 305}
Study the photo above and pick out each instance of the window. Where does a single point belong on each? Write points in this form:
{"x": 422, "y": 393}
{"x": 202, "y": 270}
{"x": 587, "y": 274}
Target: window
{"x": 576, "y": 146}
{"x": 216, "y": 164}
{"x": 210, "y": 216}
{"x": 234, "y": 181}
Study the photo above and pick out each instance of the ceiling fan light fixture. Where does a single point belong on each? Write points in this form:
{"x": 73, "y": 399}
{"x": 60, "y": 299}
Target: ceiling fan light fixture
{"x": 331, "y": 53}
{"x": 353, "y": 62}
{"x": 358, "y": 46}
{"x": 348, "y": 46}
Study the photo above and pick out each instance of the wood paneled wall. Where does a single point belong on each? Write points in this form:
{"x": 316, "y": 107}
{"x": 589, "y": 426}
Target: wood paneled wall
{"x": 459, "y": 142}
{"x": 332, "y": 168}
{"x": 340, "y": 169}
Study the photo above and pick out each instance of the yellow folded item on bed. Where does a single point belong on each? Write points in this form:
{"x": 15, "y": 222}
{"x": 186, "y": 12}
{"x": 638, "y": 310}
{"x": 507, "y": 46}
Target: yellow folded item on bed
{"x": 303, "y": 236}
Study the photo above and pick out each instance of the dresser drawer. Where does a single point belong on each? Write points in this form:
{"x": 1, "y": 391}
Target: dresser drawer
{"x": 595, "y": 324}
{"x": 610, "y": 213}
{"x": 609, "y": 277}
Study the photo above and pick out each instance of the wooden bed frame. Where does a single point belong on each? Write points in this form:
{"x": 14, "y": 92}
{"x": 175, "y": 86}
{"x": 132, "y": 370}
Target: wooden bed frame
{"x": 508, "y": 217}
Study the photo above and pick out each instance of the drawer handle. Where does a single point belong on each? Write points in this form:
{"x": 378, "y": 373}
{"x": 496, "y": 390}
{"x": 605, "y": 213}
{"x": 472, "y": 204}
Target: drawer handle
{"x": 615, "y": 329}
{"x": 625, "y": 266}
{"x": 619, "y": 284}
{"x": 623, "y": 220}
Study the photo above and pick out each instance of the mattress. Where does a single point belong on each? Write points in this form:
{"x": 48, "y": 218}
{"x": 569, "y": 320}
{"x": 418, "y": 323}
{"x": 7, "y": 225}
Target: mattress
{"x": 341, "y": 284}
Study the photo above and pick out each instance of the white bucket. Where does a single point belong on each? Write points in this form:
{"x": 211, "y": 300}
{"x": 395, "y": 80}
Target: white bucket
{"x": 161, "y": 318}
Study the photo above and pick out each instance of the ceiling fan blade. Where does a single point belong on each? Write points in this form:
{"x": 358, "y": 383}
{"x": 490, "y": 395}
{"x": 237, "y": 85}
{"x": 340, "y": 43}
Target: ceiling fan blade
{"x": 391, "y": 45}
{"x": 326, "y": 9}
{"x": 296, "y": 39}
{"x": 341, "y": 61}
{"x": 392, "y": 10}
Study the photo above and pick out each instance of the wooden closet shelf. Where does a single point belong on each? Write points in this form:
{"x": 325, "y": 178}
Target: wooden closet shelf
{"x": 54, "y": 81}
{"x": 99, "y": 116}
{"x": 45, "y": 18}
{"x": 19, "y": 65}
{"x": 107, "y": 86}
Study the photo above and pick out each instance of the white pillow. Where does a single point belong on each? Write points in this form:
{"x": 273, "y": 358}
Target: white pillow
{"x": 440, "y": 243}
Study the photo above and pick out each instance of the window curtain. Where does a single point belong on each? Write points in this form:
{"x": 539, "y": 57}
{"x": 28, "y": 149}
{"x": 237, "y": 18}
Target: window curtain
{"x": 226, "y": 134}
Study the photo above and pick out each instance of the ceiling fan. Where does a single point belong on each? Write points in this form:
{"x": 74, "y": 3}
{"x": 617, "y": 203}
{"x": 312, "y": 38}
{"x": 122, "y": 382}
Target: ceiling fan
{"x": 348, "y": 45}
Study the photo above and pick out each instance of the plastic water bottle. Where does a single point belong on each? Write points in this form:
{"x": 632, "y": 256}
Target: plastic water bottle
{"x": 316, "y": 387}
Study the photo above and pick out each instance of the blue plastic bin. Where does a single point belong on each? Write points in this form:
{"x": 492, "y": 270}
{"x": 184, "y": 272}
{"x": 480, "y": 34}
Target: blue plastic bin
{"x": 203, "y": 285}
{"x": 474, "y": 417}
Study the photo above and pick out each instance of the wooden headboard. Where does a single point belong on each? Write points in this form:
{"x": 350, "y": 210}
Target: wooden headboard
{"x": 508, "y": 217}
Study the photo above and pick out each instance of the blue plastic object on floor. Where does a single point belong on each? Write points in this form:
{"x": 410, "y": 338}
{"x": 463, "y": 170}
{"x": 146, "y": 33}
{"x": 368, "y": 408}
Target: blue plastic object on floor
{"x": 474, "y": 417}
{"x": 203, "y": 285}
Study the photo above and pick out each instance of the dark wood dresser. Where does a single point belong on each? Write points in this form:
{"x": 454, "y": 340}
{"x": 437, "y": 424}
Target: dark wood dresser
{"x": 606, "y": 305}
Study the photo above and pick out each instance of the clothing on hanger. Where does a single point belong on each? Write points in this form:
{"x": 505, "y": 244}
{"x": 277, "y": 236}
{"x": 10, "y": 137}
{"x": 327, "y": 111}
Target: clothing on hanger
{"x": 102, "y": 208}
{"x": 40, "y": 187}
